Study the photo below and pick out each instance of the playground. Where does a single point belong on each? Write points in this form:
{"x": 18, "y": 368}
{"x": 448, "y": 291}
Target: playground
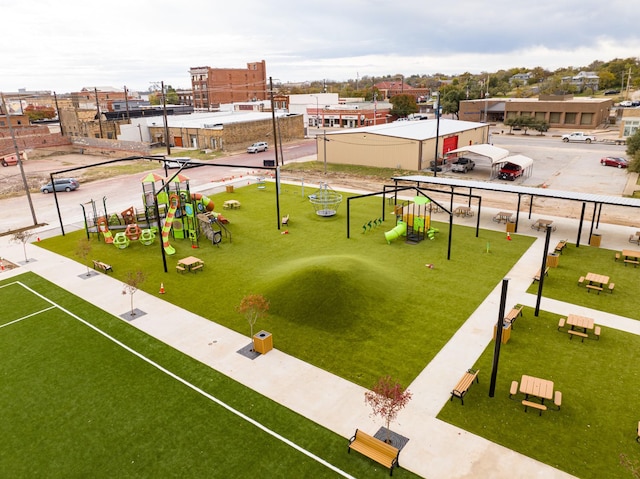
{"x": 328, "y": 293}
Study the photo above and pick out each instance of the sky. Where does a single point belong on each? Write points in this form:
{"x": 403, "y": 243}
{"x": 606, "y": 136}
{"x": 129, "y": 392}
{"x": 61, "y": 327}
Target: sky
{"x": 64, "y": 46}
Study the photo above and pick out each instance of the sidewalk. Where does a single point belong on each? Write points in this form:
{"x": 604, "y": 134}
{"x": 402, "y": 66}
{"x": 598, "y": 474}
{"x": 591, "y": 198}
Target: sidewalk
{"x": 436, "y": 450}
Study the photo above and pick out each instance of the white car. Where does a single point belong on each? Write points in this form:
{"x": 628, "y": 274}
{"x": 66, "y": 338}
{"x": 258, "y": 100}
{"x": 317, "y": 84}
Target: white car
{"x": 258, "y": 147}
{"x": 626, "y": 103}
{"x": 578, "y": 136}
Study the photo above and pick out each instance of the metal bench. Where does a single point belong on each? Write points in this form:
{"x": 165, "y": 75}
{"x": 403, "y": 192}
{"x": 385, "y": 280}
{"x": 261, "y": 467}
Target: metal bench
{"x": 464, "y": 384}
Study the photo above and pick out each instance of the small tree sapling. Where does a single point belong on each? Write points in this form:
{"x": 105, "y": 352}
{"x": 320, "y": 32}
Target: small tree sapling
{"x": 253, "y": 307}
{"x": 387, "y": 397}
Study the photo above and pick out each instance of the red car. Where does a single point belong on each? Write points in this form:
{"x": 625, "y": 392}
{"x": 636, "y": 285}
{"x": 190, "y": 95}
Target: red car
{"x": 510, "y": 171}
{"x": 614, "y": 161}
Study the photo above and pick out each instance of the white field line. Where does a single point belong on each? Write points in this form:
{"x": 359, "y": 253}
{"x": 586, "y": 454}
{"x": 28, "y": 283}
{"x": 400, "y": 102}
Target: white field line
{"x": 191, "y": 386}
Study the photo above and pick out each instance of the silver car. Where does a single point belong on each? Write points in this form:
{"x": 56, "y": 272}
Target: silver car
{"x": 258, "y": 147}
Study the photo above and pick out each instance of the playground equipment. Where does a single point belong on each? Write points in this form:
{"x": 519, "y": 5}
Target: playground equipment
{"x": 414, "y": 221}
{"x": 168, "y": 223}
{"x": 399, "y": 230}
{"x": 325, "y": 201}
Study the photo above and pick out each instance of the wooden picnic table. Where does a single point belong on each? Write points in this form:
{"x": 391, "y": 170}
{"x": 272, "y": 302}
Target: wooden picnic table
{"x": 532, "y": 386}
{"x": 631, "y": 256}
{"x": 502, "y": 217}
{"x": 190, "y": 263}
{"x": 542, "y": 224}
{"x": 575, "y": 320}
{"x": 233, "y": 204}
{"x": 599, "y": 279}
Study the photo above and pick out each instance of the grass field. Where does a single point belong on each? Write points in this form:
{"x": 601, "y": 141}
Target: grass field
{"x": 84, "y": 394}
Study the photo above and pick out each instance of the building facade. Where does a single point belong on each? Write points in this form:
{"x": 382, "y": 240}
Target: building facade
{"x": 214, "y": 86}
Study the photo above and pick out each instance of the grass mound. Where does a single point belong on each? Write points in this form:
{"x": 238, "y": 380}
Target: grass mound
{"x": 326, "y": 292}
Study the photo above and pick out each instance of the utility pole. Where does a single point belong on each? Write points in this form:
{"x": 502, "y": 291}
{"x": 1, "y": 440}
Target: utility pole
{"x": 273, "y": 119}
{"x": 95, "y": 89}
{"x": 166, "y": 124}
{"x": 17, "y": 150}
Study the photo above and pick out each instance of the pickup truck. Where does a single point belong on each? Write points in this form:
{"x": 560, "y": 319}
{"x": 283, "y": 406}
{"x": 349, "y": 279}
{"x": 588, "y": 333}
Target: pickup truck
{"x": 510, "y": 171}
{"x": 463, "y": 165}
{"x": 578, "y": 136}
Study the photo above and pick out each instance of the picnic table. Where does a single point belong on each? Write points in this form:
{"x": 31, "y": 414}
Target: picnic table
{"x": 190, "y": 263}
{"x": 542, "y": 224}
{"x": 463, "y": 211}
{"x": 502, "y": 217}
{"x": 596, "y": 281}
{"x": 231, "y": 204}
{"x": 631, "y": 257}
{"x": 577, "y": 321}
{"x": 540, "y": 388}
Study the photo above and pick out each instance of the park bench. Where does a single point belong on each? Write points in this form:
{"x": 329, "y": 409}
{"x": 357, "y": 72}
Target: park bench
{"x": 581, "y": 280}
{"x": 617, "y": 258}
{"x": 594, "y": 287}
{"x": 561, "y": 323}
{"x": 375, "y": 449}
{"x": 537, "y": 275}
{"x": 464, "y": 384}
{"x": 573, "y": 332}
{"x": 196, "y": 268}
{"x": 535, "y": 405}
{"x": 611, "y": 286}
{"x": 631, "y": 261}
{"x": 596, "y": 332}
{"x": 285, "y": 220}
{"x": 514, "y": 389}
{"x": 513, "y": 314}
{"x": 180, "y": 269}
{"x": 103, "y": 266}
{"x": 560, "y": 246}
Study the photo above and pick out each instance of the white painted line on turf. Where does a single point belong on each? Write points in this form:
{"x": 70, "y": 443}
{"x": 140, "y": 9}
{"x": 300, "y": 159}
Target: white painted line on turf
{"x": 196, "y": 389}
{"x": 28, "y": 316}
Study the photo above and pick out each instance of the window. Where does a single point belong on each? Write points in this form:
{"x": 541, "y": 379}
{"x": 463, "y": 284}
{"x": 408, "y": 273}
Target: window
{"x": 540, "y": 116}
{"x": 570, "y": 118}
{"x": 586, "y": 119}
{"x": 554, "y": 117}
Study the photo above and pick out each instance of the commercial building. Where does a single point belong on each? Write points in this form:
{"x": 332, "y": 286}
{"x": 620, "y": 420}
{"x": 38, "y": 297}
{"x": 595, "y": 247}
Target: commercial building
{"x": 214, "y": 86}
{"x": 559, "y": 111}
{"x": 407, "y": 145}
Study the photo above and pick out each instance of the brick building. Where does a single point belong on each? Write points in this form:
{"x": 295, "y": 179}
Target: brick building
{"x": 213, "y": 86}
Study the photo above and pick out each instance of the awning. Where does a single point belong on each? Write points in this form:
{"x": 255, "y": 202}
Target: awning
{"x": 520, "y": 160}
{"x": 494, "y": 153}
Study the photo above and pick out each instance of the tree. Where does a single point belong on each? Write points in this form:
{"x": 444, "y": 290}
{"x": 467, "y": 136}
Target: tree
{"x": 633, "y": 151}
{"x": 83, "y": 249}
{"x": 22, "y": 237}
{"x": 131, "y": 284}
{"x": 387, "y": 398}
{"x": 403, "y": 105}
{"x": 541, "y": 126}
{"x": 253, "y": 307}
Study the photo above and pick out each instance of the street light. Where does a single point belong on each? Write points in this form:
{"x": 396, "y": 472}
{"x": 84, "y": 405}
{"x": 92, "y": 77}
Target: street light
{"x": 437, "y": 110}
{"x": 317, "y": 110}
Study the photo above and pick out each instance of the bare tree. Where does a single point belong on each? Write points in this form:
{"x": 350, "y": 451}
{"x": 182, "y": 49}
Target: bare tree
{"x": 253, "y": 307}
{"x": 387, "y": 398}
{"x": 83, "y": 250}
{"x": 22, "y": 237}
{"x": 132, "y": 282}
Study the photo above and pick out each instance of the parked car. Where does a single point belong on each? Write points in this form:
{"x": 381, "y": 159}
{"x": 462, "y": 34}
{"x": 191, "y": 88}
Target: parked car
{"x": 177, "y": 162}
{"x": 578, "y": 136}
{"x": 510, "y": 171}
{"x": 626, "y": 103}
{"x": 463, "y": 165}
{"x": 9, "y": 160}
{"x": 616, "y": 161}
{"x": 258, "y": 147}
{"x": 61, "y": 184}
{"x": 612, "y": 92}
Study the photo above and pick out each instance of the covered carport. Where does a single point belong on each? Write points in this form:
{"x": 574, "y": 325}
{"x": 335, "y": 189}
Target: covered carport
{"x": 522, "y": 161}
{"x": 482, "y": 152}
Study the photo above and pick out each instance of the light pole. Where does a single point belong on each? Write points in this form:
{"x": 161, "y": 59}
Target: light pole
{"x": 437, "y": 110}
{"x": 317, "y": 111}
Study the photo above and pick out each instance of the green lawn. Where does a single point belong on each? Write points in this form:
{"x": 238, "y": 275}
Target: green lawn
{"x": 77, "y": 404}
{"x": 335, "y": 302}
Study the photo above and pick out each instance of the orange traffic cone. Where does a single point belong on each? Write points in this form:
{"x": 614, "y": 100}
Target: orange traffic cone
{"x": 161, "y": 288}
{"x": 508, "y": 236}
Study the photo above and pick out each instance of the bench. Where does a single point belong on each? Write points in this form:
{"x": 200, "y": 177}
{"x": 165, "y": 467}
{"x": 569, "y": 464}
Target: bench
{"x": 180, "y": 269}
{"x": 535, "y": 405}
{"x": 513, "y": 314}
{"x": 561, "y": 323}
{"x": 464, "y": 384}
{"x": 573, "y": 332}
{"x": 196, "y": 268}
{"x": 514, "y": 388}
{"x": 103, "y": 266}
{"x": 560, "y": 246}
{"x": 596, "y": 332}
{"x": 375, "y": 449}
{"x": 631, "y": 261}
{"x": 617, "y": 258}
{"x": 594, "y": 287}
{"x": 611, "y": 286}
{"x": 581, "y": 280}
{"x": 557, "y": 399}
{"x": 285, "y": 220}
{"x": 537, "y": 276}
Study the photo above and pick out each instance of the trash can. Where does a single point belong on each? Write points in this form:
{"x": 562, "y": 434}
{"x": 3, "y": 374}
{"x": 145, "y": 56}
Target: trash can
{"x": 263, "y": 342}
{"x": 229, "y": 188}
{"x": 506, "y": 332}
{"x": 595, "y": 240}
{"x": 511, "y": 226}
{"x": 552, "y": 260}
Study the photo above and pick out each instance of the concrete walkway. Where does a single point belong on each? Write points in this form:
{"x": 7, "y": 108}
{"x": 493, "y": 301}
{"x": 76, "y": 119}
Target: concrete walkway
{"x": 436, "y": 450}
